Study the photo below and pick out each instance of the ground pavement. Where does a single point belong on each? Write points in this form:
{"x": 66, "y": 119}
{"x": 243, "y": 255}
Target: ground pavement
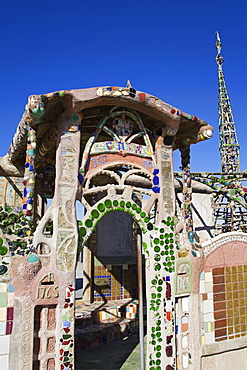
{"x": 121, "y": 353}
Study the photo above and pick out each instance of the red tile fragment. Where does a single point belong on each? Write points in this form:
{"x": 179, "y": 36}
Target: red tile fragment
{"x": 142, "y": 96}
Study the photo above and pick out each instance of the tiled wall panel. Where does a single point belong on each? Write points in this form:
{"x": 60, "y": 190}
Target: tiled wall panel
{"x": 114, "y": 282}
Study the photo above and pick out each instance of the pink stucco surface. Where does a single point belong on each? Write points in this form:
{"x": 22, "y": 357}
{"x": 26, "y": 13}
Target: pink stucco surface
{"x": 228, "y": 254}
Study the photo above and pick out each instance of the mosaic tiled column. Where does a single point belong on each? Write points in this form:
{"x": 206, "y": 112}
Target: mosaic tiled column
{"x": 29, "y": 176}
{"x": 188, "y": 313}
{"x": 183, "y": 332}
{"x": 187, "y": 191}
{"x": 187, "y": 194}
{"x": 65, "y": 228}
{"x": 160, "y": 269}
{"x": 189, "y": 351}
{"x": 169, "y": 299}
{"x": 67, "y": 162}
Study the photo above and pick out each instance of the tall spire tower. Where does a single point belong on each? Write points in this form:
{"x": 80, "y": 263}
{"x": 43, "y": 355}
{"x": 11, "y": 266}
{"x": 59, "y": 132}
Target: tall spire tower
{"x": 230, "y": 199}
{"x": 229, "y": 195}
{"x": 229, "y": 147}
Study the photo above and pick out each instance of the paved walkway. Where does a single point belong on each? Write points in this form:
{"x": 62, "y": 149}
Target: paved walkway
{"x": 121, "y": 353}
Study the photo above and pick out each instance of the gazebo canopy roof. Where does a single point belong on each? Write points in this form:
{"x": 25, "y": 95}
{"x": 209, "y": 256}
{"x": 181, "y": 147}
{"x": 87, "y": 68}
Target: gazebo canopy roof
{"x": 43, "y": 113}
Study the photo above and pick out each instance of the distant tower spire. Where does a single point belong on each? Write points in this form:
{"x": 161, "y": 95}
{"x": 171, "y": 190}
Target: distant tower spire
{"x": 229, "y": 147}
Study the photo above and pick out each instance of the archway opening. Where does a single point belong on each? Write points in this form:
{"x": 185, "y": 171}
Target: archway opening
{"x": 113, "y": 284}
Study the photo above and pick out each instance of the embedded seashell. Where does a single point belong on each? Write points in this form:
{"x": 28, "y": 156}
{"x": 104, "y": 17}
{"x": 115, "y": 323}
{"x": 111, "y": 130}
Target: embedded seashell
{"x": 207, "y": 134}
{"x": 117, "y": 93}
{"x": 106, "y": 92}
{"x": 99, "y": 91}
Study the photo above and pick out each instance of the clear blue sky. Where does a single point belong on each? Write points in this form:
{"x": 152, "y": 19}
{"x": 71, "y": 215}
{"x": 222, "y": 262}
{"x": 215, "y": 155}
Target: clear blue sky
{"x": 166, "y": 48}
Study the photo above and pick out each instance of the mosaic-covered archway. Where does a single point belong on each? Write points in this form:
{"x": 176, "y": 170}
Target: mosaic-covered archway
{"x": 137, "y": 171}
{"x": 111, "y": 149}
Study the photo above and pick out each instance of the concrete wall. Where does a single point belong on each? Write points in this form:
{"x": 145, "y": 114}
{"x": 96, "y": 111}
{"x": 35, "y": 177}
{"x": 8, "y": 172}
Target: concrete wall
{"x": 226, "y": 361}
